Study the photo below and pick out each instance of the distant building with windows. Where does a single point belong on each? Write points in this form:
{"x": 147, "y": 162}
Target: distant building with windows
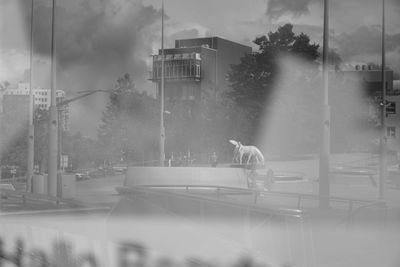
{"x": 42, "y": 100}
{"x": 392, "y": 122}
{"x": 42, "y": 96}
{"x": 370, "y": 77}
{"x": 195, "y": 67}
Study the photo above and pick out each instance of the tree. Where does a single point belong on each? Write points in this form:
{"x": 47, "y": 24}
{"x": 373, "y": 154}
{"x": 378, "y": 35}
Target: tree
{"x": 15, "y": 151}
{"x": 355, "y": 112}
{"x": 82, "y": 151}
{"x": 255, "y": 82}
{"x": 41, "y": 124}
{"x": 129, "y": 129}
{"x": 4, "y": 85}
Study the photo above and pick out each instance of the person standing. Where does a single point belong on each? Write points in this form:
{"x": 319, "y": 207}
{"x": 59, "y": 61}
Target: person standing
{"x": 214, "y": 159}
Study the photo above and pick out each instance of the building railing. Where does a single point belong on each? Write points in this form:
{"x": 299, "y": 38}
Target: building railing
{"x": 157, "y": 77}
{"x": 176, "y": 66}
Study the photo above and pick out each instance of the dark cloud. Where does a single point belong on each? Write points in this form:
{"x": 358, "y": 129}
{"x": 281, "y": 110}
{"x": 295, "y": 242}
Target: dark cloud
{"x": 365, "y": 40}
{"x": 97, "y": 41}
{"x": 277, "y": 8}
{"x": 112, "y": 36}
{"x": 364, "y": 46}
{"x": 98, "y": 34}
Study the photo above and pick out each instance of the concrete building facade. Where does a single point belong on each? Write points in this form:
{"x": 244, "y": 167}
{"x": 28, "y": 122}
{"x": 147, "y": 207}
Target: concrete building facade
{"x": 195, "y": 67}
{"x": 371, "y": 80}
{"x": 42, "y": 100}
{"x": 392, "y": 122}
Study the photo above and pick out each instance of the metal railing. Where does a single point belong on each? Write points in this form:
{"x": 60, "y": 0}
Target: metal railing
{"x": 27, "y": 196}
{"x": 353, "y": 205}
{"x": 350, "y": 218}
{"x": 220, "y": 190}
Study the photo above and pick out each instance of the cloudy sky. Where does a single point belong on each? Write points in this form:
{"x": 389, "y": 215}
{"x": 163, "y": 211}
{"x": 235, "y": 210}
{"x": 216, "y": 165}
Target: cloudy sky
{"x": 100, "y": 40}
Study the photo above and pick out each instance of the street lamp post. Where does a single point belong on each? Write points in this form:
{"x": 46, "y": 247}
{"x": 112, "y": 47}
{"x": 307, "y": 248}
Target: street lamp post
{"x": 31, "y": 133}
{"x": 382, "y": 142}
{"x": 53, "y": 121}
{"x": 162, "y": 128}
{"x": 324, "y": 190}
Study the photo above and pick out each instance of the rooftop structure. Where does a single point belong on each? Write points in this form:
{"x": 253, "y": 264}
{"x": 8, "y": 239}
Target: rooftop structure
{"x": 196, "y": 66}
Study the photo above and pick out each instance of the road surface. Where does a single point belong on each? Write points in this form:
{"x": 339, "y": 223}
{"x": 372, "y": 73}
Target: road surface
{"x": 218, "y": 234}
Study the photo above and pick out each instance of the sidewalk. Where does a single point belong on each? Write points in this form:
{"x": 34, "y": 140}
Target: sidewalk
{"x": 18, "y": 201}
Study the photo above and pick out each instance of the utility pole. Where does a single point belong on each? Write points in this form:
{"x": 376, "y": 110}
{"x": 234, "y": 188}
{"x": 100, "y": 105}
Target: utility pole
{"x": 324, "y": 190}
{"x": 53, "y": 120}
{"x": 383, "y": 139}
{"x": 61, "y": 105}
{"x": 162, "y": 128}
{"x": 31, "y": 129}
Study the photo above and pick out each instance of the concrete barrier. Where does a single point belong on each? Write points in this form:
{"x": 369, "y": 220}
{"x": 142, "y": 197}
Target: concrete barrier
{"x": 353, "y": 179}
{"x": 394, "y": 177}
{"x": 67, "y": 183}
{"x": 229, "y": 177}
{"x": 39, "y": 184}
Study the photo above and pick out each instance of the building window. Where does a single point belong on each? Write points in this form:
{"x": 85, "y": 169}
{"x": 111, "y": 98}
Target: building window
{"x": 186, "y": 69}
{"x": 391, "y": 108}
{"x": 158, "y": 71}
{"x": 174, "y": 69}
{"x": 391, "y": 132}
{"x": 169, "y": 70}
{"x": 191, "y": 70}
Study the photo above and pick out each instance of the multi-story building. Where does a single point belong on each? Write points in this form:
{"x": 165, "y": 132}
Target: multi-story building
{"x": 197, "y": 66}
{"x": 42, "y": 96}
{"x": 195, "y": 75}
{"x": 392, "y": 122}
{"x": 370, "y": 78}
{"x": 42, "y": 100}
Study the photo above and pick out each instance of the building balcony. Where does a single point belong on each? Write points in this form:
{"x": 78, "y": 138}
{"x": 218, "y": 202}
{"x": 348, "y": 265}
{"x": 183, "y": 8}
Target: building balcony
{"x": 176, "y": 67}
{"x": 178, "y": 77}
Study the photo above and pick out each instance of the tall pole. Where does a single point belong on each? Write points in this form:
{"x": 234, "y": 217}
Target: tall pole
{"x": 382, "y": 143}
{"x": 52, "y": 155}
{"x": 31, "y": 133}
{"x": 324, "y": 191}
{"x": 162, "y": 128}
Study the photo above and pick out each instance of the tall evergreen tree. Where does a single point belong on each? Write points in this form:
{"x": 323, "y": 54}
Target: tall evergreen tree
{"x": 254, "y": 82}
{"x": 129, "y": 128}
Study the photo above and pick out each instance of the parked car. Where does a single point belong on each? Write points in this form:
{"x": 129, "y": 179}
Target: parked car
{"x": 97, "y": 173}
{"x": 82, "y": 176}
{"x": 119, "y": 169}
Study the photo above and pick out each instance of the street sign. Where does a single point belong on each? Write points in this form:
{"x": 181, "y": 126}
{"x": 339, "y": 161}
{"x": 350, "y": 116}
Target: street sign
{"x": 64, "y": 162}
